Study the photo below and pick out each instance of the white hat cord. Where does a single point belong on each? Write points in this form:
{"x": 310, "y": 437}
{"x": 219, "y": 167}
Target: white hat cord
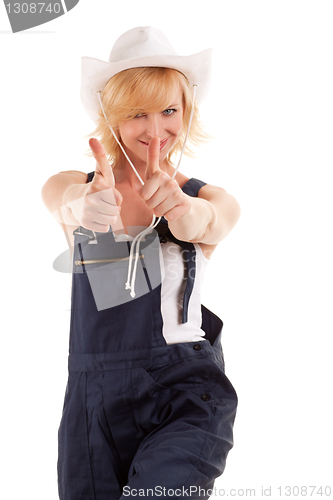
{"x": 130, "y": 283}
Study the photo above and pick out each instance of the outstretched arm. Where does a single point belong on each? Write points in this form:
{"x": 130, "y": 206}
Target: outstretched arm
{"x": 212, "y": 216}
{"x": 207, "y": 218}
{"x": 74, "y": 202}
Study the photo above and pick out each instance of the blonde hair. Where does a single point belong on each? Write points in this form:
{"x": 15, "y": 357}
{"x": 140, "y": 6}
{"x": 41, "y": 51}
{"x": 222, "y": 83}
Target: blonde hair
{"x": 145, "y": 90}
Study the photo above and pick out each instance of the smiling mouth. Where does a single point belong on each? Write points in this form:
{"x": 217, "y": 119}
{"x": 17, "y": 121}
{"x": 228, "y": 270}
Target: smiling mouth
{"x": 162, "y": 143}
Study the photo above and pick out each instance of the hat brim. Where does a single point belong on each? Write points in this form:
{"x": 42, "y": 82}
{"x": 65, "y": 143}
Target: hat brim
{"x": 96, "y": 73}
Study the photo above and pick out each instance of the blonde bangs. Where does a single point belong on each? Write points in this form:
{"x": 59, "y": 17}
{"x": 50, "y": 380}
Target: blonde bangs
{"x": 148, "y": 90}
{"x": 144, "y": 90}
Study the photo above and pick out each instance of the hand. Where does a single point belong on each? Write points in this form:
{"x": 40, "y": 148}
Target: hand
{"x": 160, "y": 192}
{"x": 101, "y": 204}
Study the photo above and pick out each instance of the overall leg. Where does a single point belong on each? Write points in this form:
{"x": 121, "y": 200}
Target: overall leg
{"x": 96, "y": 438}
{"x": 190, "y": 432}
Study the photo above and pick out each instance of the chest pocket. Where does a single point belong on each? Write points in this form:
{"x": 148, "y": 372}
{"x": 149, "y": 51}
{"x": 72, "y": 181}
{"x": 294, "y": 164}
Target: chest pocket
{"x": 106, "y": 262}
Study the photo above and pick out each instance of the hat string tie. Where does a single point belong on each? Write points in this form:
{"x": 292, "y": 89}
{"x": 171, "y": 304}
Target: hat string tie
{"x": 137, "y": 240}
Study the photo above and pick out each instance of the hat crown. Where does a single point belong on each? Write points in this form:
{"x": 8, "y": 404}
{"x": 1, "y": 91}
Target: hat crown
{"x": 141, "y": 42}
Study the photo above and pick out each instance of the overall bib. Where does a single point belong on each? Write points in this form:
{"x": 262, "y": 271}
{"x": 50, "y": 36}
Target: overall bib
{"x": 140, "y": 414}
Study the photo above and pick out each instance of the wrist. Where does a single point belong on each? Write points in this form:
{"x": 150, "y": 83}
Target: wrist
{"x": 193, "y": 225}
{"x": 74, "y": 192}
{"x": 65, "y": 213}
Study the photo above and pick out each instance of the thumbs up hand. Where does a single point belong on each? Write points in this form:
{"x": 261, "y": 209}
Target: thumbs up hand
{"x": 160, "y": 192}
{"x": 101, "y": 204}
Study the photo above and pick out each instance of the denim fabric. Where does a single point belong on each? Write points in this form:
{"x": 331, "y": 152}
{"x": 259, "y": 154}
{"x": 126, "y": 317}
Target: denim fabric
{"x": 140, "y": 414}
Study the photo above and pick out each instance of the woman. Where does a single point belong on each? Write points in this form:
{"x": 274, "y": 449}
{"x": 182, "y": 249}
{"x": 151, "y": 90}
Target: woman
{"x": 148, "y": 409}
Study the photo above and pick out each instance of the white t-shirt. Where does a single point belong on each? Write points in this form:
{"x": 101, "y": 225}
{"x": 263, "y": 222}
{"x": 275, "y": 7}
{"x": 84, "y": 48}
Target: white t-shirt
{"x": 172, "y": 294}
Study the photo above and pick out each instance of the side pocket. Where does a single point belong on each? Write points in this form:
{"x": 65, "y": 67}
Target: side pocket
{"x": 223, "y": 390}
{"x": 188, "y": 379}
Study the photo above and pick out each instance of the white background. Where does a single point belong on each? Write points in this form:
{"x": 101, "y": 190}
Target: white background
{"x": 270, "y": 110}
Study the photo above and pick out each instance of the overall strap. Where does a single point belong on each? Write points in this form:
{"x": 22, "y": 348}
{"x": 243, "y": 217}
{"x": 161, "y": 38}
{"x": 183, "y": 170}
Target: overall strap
{"x": 191, "y": 188}
{"x": 90, "y": 176}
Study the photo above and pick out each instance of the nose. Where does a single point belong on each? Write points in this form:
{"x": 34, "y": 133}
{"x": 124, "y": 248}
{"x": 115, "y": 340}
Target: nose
{"x": 154, "y": 125}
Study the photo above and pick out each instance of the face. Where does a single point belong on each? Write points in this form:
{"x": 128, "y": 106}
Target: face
{"x": 166, "y": 124}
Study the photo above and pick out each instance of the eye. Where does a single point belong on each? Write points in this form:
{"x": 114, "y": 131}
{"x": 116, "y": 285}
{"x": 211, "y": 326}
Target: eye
{"x": 169, "y": 112}
{"x": 139, "y": 115}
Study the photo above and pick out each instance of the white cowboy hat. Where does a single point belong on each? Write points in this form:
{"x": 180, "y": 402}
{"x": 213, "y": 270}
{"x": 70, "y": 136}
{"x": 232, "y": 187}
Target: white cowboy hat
{"x": 141, "y": 47}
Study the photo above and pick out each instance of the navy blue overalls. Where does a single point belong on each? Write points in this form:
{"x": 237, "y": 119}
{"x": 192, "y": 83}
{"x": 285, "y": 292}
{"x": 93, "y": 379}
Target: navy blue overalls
{"x": 139, "y": 414}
